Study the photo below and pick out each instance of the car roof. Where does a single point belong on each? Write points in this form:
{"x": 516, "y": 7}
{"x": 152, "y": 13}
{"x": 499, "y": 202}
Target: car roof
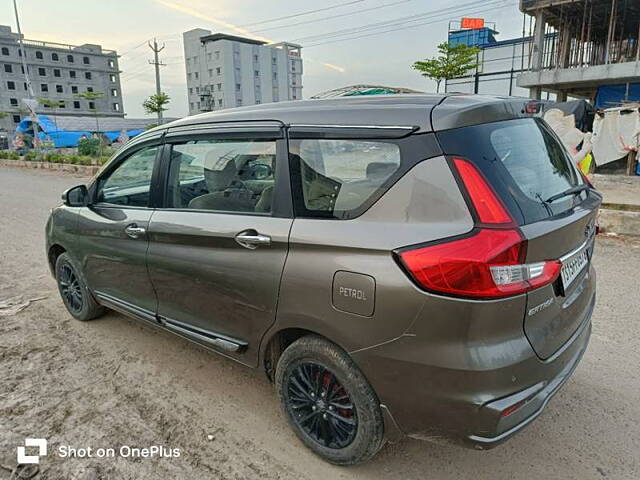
{"x": 425, "y": 112}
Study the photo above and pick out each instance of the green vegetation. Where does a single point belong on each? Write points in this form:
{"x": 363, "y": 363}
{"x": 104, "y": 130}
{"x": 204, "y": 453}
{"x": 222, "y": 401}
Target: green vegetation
{"x": 55, "y": 157}
{"x": 156, "y": 104}
{"x": 89, "y": 146}
{"x": 453, "y": 61}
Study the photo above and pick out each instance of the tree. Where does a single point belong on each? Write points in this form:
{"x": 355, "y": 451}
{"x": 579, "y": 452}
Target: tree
{"x": 92, "y": 97}
{"x": 156, "y": 104}
{"x": 453, "y": 61}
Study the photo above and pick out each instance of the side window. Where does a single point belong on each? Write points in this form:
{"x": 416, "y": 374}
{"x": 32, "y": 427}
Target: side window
{"x": 336, "y": 178}
{"x": 223, "y": 175}
{"x": 130, "y": 183}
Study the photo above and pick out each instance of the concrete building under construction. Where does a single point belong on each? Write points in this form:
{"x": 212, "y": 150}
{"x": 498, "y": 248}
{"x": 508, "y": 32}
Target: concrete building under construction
{"x": 580, "y": 46}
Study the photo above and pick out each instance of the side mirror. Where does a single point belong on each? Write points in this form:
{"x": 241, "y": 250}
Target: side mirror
{"x": 77, "y": 196}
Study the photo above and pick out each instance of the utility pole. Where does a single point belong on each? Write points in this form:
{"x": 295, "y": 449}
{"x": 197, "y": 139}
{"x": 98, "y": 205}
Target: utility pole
{"x": 156, "y": 62}
{"x": 31, "y": 103}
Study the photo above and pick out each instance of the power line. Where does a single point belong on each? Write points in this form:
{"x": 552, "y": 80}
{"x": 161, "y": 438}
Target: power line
{"x": 127, "y": 52}
{"x": 308, "y": 12}
{"x": 334, "y": 16}
{"x": 402, "y": 27}
{"x": 393, "y": 22}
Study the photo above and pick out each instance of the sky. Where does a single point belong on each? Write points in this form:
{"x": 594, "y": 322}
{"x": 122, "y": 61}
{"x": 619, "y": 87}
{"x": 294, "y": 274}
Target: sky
{"x": 392, "y": 34}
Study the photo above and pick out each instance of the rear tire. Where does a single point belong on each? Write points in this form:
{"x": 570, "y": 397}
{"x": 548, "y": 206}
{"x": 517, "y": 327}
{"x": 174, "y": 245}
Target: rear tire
{"x": 74, "y": 292}
{"x": 328, "y": 402}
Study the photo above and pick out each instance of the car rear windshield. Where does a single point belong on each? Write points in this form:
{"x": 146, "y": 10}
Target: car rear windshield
{"x": 523, "y": 161}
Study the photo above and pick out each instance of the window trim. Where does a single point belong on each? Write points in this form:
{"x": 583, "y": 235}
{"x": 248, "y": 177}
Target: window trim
{"x": 282, "y": 206}
{"x": 115, "y": 162}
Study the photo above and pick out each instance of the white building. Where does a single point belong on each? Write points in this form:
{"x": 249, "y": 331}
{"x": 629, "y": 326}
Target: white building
{"x": 225, "y": 71}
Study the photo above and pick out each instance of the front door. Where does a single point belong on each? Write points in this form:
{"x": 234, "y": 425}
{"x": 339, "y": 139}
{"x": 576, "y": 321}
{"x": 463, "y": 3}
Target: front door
{"x": 112, "y": 233}
{"x": 217, "y": 250}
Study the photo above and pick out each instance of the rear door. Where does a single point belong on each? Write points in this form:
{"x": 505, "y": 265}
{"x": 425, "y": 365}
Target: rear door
{"x": 218, "y": 247}
{"x": 527, "y": 166}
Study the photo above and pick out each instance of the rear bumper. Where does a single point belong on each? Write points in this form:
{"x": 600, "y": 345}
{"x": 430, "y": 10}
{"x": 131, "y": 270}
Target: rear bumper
{"x": 457, "y": 393}
{"x": 532, "y": 400}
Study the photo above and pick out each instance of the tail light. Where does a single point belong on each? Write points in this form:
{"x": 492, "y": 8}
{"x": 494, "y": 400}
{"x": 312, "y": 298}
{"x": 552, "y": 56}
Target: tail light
{"x": 487, "y": 264}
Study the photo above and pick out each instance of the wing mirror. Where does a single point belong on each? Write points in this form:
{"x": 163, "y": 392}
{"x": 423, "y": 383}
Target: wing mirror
{"x": 77, "y": 196}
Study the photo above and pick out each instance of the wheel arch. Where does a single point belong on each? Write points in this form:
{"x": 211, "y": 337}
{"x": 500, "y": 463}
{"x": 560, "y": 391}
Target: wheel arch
{"x": 53, "y": 253}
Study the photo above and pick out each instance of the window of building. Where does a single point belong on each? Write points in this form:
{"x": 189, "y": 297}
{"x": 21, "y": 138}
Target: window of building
{"x": 238, "y": 102}
{"x": 74, "y": 89}
{"x": 255, "y": 58}
{"x": 59, "y": 89}
{"x": 8, "y": 68}
{"x": 11, "y": 85}
{"x": 220, "y": 102}
{"x": 217, "y": 54}
{"x": 238, "y": 87}
{"x": 209, "y": 56}
{"x": 116, "y": 107}
{"x": 191, "y": 105}
{"x": 42, "y": 72}
{"x": 5, "y": 51}
{"x": 61, "y": 104}
{"x": 44, "y": 87}
{"x": 76, "y": 104}
{"x": 221, "y": 165}
{"x": 70, "y": 59}
{"x": 274, "y": 60}
{"x": 92, "y": 105}
{"x": 188, "y": 77}
{"x": 330, "y": 181}
{"x": 55, "y": 57}
{"x": 89, "y": 89}
{"x": 25, "y": 86}
{"x": 13, "y": 102}
{"x": 19, "y": 52}
{"x": 85, "y": 60}
{"x": 210, "y": 72}
{"x": 190, "y": 90}
{"x": 87, "y": 75}
{"x": 256, "y": 73}
{"x": 198, "y": 105}
{"x": 16, "y": 118}
{"x": 112, "y": 78}
{"x": 218, "y": 71}
{"x": 39, "y": 55}
{"x": 219, "y": 87}
{"x": 72, "y": 74}
{"x": 197, "y": 90}
{"x": 275, "y": 76}
{"x": 196, "y": 75}
{"x": 111, "y": 63}
{"x": 56, "y": 72}
{"x": 114, "y": 92}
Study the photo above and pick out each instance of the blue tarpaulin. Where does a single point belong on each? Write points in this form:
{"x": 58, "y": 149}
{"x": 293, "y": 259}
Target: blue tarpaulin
{"x": 64, "y": 138}
{"x": 613, "y": 95}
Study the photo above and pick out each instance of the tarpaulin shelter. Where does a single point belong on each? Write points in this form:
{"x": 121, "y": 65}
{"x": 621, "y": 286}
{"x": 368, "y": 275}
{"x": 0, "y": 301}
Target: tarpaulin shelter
{"x": 614, "y": 95}
{"x": 66, "y": 131}
{"x": 582, "y": 112}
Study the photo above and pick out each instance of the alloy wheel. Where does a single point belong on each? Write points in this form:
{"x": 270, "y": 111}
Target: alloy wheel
{"x": 321, "y": 406}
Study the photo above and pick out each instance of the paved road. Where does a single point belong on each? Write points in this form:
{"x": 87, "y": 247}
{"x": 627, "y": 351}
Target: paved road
{"x": 112, "y": 382}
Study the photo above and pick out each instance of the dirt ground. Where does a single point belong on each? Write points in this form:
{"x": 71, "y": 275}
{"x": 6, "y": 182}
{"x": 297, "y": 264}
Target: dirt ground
{"x": 114, "y": 382}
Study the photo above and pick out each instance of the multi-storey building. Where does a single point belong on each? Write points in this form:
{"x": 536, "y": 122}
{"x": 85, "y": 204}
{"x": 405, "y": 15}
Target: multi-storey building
{"x": 225, "y": 71}
{"x": 58, "y": 72}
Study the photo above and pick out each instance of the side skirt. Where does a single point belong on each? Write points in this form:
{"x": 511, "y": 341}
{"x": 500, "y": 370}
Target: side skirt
{"x": 196, "y": 334}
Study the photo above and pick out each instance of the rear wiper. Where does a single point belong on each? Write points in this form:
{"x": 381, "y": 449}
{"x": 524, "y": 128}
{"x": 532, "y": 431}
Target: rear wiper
{"x": 570, "y": 191}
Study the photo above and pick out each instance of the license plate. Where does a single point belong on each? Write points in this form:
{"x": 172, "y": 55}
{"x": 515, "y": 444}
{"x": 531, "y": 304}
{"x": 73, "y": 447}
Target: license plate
{"x": 572, "y": 267}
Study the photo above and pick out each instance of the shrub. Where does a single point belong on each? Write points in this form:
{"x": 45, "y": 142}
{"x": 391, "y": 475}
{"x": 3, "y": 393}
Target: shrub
{"x": 89, "y": 146}
{"x": 31, "y": 156}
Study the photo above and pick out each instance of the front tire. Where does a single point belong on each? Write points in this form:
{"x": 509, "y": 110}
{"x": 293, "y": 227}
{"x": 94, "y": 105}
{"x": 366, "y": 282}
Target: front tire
{"x": 74, "y": 292}
{"x": 328, "y": 402}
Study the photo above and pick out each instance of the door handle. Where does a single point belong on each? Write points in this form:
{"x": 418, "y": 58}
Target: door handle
{"x": 251, "y": 239}
{"x": 134, "y": 231}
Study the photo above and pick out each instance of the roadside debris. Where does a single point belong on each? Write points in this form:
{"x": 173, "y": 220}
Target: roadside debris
{"x": 14, "y": 305}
